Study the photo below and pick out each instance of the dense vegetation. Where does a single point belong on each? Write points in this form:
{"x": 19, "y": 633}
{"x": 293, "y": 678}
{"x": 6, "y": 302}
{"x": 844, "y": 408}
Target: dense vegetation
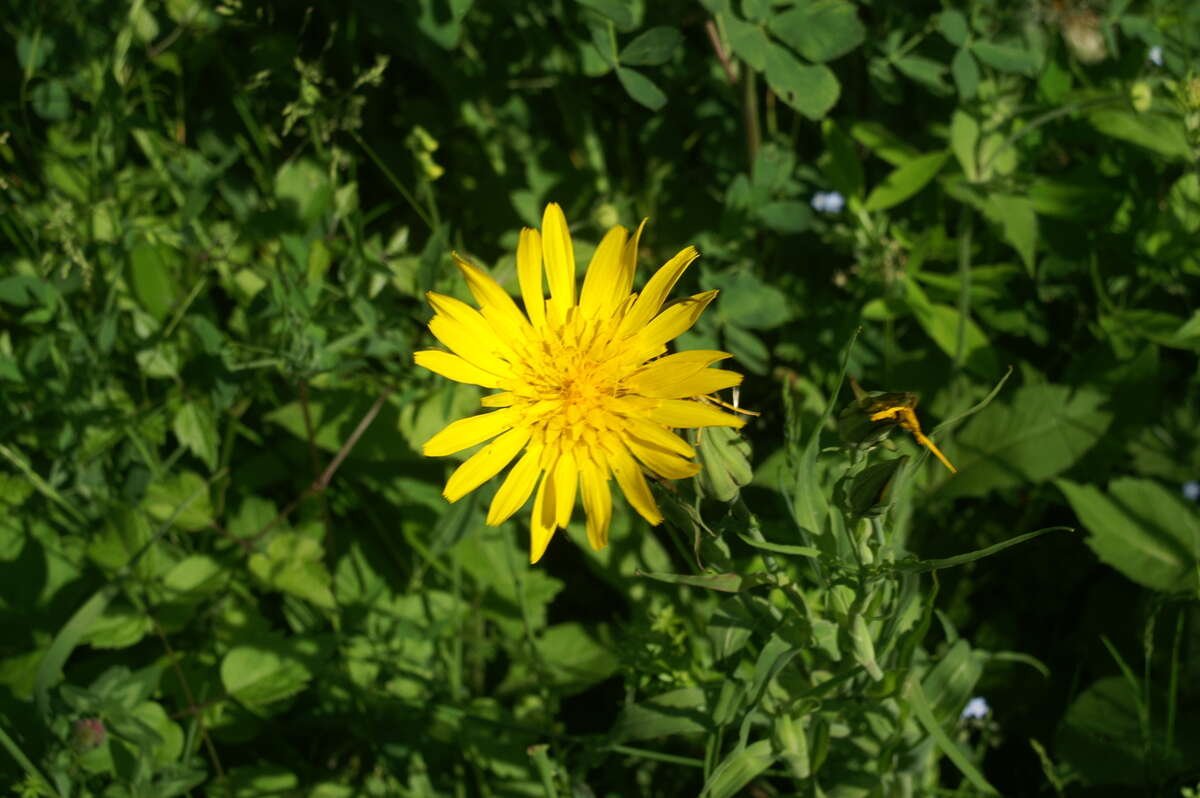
{"x": 226, "y": 568}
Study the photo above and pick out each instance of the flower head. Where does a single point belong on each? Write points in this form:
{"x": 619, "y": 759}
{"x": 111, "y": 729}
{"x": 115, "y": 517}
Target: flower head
{"x": 585, "y": 391}
{"x": 828, "y": 202}
{"x": 976, "y": 709}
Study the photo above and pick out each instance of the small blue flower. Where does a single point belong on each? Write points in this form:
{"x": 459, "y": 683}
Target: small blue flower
{"x": 976, "y": 709}
{"x": 1191, "y": 490}
{"x": 1155, "y": 55}
{"x": 828, "y": 202}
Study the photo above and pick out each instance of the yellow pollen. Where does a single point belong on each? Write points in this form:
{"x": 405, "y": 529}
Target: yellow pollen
{"x": 571, "y": 372}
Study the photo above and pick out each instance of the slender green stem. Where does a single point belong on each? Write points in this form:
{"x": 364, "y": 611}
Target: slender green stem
{"x": 1046, "y": 118}
{"x": 750, "y": 112}
{"x": 36, "y": 775}
{"x": 966, "y": 222}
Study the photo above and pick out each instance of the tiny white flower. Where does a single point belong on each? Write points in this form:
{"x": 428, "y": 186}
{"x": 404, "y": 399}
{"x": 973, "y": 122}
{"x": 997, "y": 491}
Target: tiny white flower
{"x": 1155, "y": 56}
{"x": 1191, "y": 490}
{"x": 976, "y": 709}
{"x": 828, "y": 202}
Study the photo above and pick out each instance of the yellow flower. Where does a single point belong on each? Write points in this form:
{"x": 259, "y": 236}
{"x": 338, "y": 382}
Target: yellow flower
{"x": 585, "y": 389}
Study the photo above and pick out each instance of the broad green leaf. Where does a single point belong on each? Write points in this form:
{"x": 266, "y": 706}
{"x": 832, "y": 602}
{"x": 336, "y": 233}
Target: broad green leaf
{"x": 652, "y": 47}
{"x": 964, "y": 138}
{"x": 196, "y": 429}
{"x": 682, "y": 711}
{"x": 738, "y": 769}
{"x": 1164, "y": 329}
{"x": 945, "y": 325}
{"x": 1102, "y": 737}
{"x": 1184, "y": 199}
{"x": 810, "y": 89}
{"x": 1005, "y": 57}
{"x": 303, "y": 188}
{"x": 616, "y": 10}
{"x": 819, "y": 30}
{"x": 119, "y": 626}
{"x": 194, "y": 577}
{"x": 293, "y": 563}
{"x": 182, "y": 500}
{"x": 748, "y": 42}
{"x": 152, "y": 278}
{"x": 641, "y": 88}
{"x": 1040, "y": 434}
{"x": 1082, "y": 198}
{"x": 747, "y": 348}
{"x": 905, "y": 181}
{"x": 1017, "y": 220}
{"x": 756, "y": 10}
{"x": 841, "y": 163}
{"x": 1154, "y": 131}
{"x": 953, "y": 25}
{"x": 33, "y": 48}
{"x": 749, "y": 301}
{"x": 335, "y": 414}
{"x": 262, "y": 781}
{"x": 51, "y": 100}
{"x": 1142, "y": 529}
{"x": 965, "y": 72}
{"x": 730, "y": 627}
{"x": 160, "y": 361}
{"x": 1101, "y": 734}
{"x": 786, "y": 216}
{"x": 927, "y": 72}
{"x": 883, "y": 142}
{"x": 573, "y": 658}
{"x": 257, "y": 675}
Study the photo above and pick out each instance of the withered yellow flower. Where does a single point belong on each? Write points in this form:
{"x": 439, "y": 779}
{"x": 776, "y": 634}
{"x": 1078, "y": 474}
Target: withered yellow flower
{"x": 586, "y": 391}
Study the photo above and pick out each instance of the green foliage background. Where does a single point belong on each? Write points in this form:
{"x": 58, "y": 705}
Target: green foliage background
{"x": 218, "y": 536}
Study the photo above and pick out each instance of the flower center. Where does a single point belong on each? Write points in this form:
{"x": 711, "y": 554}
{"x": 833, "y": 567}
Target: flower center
{"x": 568, "y": 377}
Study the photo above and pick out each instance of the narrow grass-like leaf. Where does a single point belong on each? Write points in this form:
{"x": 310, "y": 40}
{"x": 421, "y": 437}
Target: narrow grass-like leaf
{"x": 922, "y": 566}
{"x": 920, "y": 706}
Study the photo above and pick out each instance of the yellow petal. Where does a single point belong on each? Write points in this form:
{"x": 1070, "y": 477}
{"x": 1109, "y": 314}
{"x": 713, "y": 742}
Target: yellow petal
{"x": 662, "y": 462}
{"x": 485, "y": 463}
{"x": 597, "y": 503}
{"x": 660, "y": 436}
{"x": 502, "y": 399}
{"x": 497, "y": 306}
{"x": 602, "y": 274}
{"x": 673, "y": 321}
{"x": 701, "y": 383}
{"x": 516, "y": 488}
{"x": 633, "y": 484}
{"x": 467, "y": 432}
{"x": 623, "y": 285}
{"x": 541, "y": 525}
{"x": 453, "y": 367}
{"x": 476, "y": 349}
{"x": 656, "y": 291}
{"x": 529, "y": 275}
{"x": 678, "y": 366}
{"x": 688, "y": 414}
{"x": 566, "y": 480}
{"x": 560, "y": 259}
